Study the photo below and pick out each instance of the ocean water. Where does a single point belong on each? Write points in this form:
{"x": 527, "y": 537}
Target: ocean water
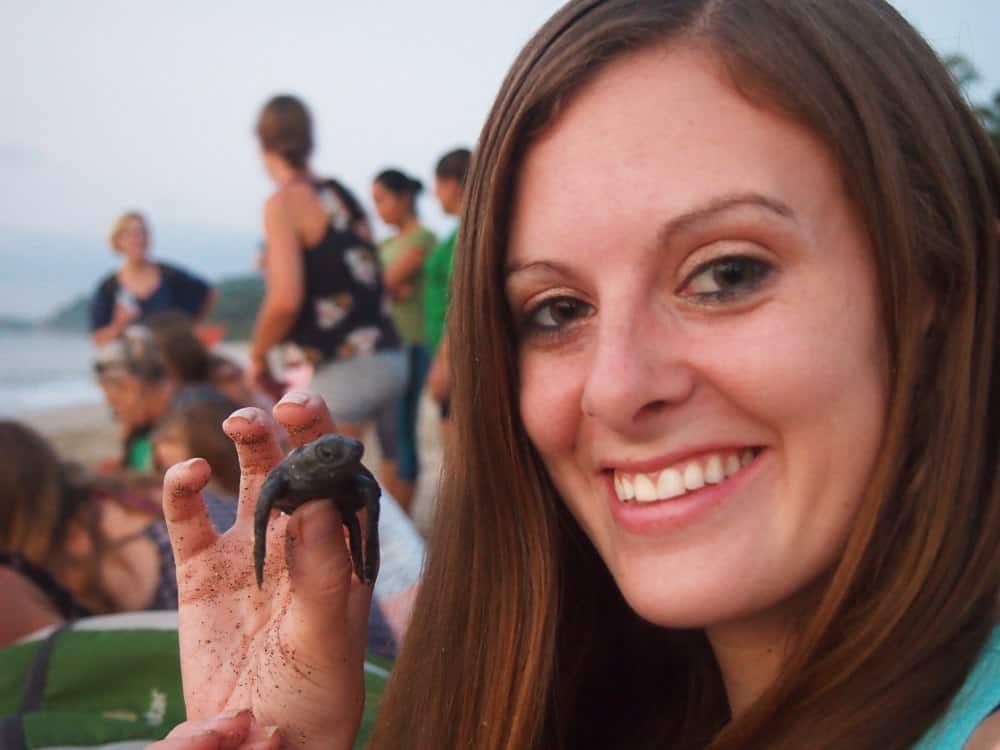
{"x": 42, "y": 370}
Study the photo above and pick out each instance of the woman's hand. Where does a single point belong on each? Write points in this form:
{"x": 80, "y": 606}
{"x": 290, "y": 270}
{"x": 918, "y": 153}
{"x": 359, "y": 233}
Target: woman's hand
{"x": 292, "y": 651}
{"x": 234, "y": 730}
{"x": 439, "y": 374}
{"x": 123, "y": 316}
{"x": 260, "y": 378}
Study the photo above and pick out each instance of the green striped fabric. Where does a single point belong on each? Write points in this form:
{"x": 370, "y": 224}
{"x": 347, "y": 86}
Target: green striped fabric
{"x": 111, "y": 686}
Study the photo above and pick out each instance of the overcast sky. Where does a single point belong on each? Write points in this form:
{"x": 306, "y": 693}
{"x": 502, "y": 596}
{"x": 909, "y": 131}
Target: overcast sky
{"x": 110, "y": 104}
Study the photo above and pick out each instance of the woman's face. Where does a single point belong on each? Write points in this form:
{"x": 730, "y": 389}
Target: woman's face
{"x": 128, "y": 398}
{"x": 392, "y": 207}
{"x": 133, "y": 239}
{"x": 702, "y": 364}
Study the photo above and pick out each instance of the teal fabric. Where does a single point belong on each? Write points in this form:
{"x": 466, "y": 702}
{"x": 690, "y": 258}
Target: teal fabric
{"x": 975, "y": 701}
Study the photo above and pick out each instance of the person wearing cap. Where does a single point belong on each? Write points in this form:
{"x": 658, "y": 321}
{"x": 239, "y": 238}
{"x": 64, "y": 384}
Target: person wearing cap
{"x": 135, "y": 381}
{"x": 143, "y": 377}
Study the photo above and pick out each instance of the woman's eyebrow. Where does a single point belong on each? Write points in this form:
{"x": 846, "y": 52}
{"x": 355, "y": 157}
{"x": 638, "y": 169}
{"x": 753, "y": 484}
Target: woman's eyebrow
{"x": 721, "y": 205}
{"x": 689, "y": 220}
{"x": 538, "y": 267}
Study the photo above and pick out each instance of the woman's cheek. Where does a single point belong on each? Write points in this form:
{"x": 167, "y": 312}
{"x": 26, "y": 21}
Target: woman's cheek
{"x": 550, "y": 402}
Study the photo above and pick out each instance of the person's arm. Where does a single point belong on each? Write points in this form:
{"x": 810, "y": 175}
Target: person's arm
{"x": 119, "y": 322}
{"x": 439, "y": 375}
{"x": 26, "y": 608}
{"x": 398, "y": 274}
{"x": 108, "y": 318}
{"x": 284, "y": 281}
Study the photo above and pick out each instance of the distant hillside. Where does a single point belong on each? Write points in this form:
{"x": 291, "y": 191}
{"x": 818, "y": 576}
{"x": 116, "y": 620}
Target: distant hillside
{"x": 236, "y": 309}
{"x": 8, "y": 323}
{"x": 74, "y": 316}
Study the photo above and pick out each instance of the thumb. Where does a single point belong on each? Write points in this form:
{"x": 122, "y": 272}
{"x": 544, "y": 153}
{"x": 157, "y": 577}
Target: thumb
{"x": 326, "y": 597}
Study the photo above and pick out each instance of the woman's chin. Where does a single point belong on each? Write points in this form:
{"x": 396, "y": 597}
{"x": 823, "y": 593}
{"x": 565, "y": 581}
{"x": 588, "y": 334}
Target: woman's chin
{"x": 695, "y": 604}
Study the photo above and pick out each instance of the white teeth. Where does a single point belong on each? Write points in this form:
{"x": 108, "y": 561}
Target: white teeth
{"x": 713, "y": 470}
{"x": 645, "y": 490}
{"x": 694, "y": 477}
{"x": 676, "y": 480}
{"x": 669, "y": 484}
{"x": 628, "y": 492}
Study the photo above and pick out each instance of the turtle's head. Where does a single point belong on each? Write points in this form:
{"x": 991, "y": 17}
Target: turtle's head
{"x": 335, "y": 451}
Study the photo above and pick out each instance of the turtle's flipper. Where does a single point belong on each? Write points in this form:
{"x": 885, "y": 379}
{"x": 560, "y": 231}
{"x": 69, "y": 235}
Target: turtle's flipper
{"x": 372, "y": 492}
{"x": 350, "y": 520}
{"x": 274, "y": 487}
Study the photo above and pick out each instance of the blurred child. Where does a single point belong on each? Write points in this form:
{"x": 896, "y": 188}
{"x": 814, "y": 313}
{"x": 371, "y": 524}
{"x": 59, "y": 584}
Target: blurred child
{"x": 194, "y": 430}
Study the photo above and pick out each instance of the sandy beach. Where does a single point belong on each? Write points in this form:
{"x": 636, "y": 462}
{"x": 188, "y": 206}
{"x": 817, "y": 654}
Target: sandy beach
{"x": 87, "y": 434}
{"x": 84, "y": 433}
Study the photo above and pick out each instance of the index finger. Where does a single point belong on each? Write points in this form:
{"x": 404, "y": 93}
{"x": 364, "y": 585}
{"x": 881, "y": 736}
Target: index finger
{"x": 184, "y": 511}
{"x": 304, "y": 416}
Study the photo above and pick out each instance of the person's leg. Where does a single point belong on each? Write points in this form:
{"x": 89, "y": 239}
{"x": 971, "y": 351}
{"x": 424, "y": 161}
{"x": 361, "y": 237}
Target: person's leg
{"x": 418, "y": 361}
{"x": 355, "y": 390}
{"x": 387, "y": 431}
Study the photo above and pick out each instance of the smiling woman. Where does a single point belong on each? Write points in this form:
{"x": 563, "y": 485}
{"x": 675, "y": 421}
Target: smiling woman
{"x": 749, "y": 270}
{"x": 727, "y": 394}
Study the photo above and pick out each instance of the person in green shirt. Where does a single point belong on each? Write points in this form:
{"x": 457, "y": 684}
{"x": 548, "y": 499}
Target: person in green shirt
{"x": 402, "y": 257}
{"x": 449, "y": 184}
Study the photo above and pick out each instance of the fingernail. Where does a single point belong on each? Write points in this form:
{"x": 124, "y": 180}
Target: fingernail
{"x": 299, "y": 398}
{"x": 249, "y": 413}
{"x": 315, "y": 521}
{"x": 269, "y": 731}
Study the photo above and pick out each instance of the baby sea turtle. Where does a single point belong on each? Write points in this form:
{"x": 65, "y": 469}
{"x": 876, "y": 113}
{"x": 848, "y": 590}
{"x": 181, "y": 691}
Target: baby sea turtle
{"x": 330, "y": 468}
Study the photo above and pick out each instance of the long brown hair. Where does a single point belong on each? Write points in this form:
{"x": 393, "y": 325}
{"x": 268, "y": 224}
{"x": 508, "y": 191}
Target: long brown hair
{"x": 519, "y": 637}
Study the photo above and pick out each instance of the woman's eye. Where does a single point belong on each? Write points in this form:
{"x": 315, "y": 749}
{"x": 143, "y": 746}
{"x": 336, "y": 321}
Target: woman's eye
{"x": 726, "y": 278}
{"x": 554, "y": 315}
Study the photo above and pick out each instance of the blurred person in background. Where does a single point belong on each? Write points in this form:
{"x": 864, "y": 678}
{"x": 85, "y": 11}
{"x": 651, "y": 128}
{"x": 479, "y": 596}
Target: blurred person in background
{"x": 325, "y": 298}
{"x": 142, "y": 286}
{"x": 403, "y": 256}
{"x": 449, "y": 184}
{"x": 138, "y": 389}
{"x": 82, "y": 544}
{"x": 144, "y": 373}
{"x": 193, "y": 429}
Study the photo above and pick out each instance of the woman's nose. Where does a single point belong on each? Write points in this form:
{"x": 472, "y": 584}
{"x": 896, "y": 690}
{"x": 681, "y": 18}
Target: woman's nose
{"x": 637, "y": 372}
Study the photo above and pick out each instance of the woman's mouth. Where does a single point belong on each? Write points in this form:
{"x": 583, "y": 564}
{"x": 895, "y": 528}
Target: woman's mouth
{"x": 685, "y": 476}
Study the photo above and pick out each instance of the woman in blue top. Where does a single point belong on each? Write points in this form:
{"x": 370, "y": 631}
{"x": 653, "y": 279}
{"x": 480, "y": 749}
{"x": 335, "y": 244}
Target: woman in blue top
{"x": 726, "y": 470}
{"x": 142, "y": 287}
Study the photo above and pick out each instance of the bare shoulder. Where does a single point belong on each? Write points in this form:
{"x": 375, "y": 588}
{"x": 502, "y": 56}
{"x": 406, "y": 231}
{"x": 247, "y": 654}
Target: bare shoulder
{"x": 987, "y": 735}
{"x": 279, "y": 201}
{"x": 27, "y": 608}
